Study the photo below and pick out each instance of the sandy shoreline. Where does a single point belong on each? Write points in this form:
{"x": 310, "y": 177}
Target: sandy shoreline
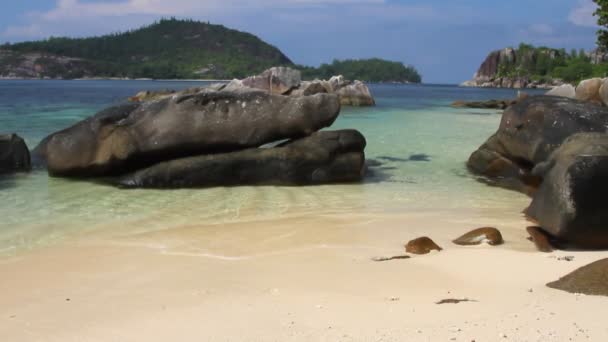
{"x": 295, "y": 279}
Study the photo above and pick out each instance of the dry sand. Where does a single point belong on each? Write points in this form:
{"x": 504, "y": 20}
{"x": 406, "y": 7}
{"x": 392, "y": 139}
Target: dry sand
{"x": 304, "y": 278}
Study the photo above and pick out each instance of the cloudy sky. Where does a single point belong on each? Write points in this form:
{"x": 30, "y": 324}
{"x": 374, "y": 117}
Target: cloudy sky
{"x": 445, "y": 39}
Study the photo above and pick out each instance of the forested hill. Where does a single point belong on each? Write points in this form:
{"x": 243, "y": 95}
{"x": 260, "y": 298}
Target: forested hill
{"x": 369, "y": 70}
{"x": 169, "y": 48}
{"x": 175, "y": 49}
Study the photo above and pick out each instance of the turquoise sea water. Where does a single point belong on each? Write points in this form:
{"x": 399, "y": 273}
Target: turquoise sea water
{"x": 409, "y": 120}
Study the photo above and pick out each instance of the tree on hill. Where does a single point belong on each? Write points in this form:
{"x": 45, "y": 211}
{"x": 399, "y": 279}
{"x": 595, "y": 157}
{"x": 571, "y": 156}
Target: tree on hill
{"x": 602, "y": 19}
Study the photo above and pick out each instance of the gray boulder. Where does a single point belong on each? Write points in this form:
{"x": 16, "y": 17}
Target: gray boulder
{"x": 14, "y": 154}
{"x": 570, "y": 204}
{"x": 129, "y": 137}
{"x": 323, "y": 157}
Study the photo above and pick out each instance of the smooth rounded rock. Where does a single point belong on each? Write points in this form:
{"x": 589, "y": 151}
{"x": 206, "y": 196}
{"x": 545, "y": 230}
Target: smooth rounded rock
{"x": 422, "y": 245}
{"x": 489, "y": 235}
{"x": 134, "y": 136}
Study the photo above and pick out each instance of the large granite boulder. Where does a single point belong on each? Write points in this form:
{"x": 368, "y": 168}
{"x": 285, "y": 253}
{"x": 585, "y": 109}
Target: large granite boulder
{"x": 528, "y": 133}
{"x": 14, "y": 154}
{"x": 323, "y": 157}
{"x": 277, "y": 80}
{"x": 589, "y": 90}
{"x": 132, "y": 136}
{"x": 571, "y": 204}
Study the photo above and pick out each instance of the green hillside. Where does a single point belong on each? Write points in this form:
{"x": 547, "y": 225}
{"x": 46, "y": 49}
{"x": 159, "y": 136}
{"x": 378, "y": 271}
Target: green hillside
{"x": 169, "y": 48}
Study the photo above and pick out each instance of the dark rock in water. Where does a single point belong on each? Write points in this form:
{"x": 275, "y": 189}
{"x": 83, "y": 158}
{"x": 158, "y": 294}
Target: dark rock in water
{"x": 529, "y": 132}
{"x": 489, "y": 235}
{"x": 423, "y": 245}
{"x": 324, "y": 157}
{"x": 420, "y": 157}
{"x": 129, "y": 137}
{"x": 571, "y": 204}
{"x": 589, "y": 280}
{"x": 14, "y": 154}
{"x": 490, "y": 104}
{"x": 393, "y": 159}
{"x": 413, "y": 157}
{"x": 540, "y": 239}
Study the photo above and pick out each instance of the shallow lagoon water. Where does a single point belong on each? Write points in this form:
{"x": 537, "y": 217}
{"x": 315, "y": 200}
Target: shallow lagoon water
{"x": 419, "y": 141}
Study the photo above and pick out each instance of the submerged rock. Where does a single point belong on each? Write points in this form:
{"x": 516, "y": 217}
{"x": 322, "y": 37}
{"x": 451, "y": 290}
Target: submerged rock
{"x": 324, "y": 157}
{"x": 570, "y": 204}
{"x": 489, "y": 235}
{"x": 423, "y": 245}
{"x": 490, "y": 104}
{"x": 129, "y": 137}
{"x": 14, "y": 154}
{"x": 588, "y": 280}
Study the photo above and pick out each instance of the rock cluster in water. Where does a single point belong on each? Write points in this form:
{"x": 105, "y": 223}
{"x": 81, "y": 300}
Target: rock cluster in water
{"x": 556, "y": 150}
{"x": 287, "y": 81}
{"x": 206, "y": 137}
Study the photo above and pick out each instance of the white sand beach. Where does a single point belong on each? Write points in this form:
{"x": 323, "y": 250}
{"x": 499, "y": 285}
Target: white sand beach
{"x": 296, "y": 279}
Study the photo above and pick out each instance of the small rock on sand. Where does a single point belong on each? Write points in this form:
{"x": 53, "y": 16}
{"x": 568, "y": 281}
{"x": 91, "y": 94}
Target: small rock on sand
{"x": 489, "y": 235}
{"x": 423, "y": 245}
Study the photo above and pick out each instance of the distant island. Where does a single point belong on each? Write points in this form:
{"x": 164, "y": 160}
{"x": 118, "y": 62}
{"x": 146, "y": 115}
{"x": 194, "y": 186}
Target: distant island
{"x": 538, "y": 67}
{"x": 175, "y": 49}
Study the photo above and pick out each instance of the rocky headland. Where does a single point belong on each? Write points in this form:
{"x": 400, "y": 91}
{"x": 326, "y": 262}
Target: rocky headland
{"x": 534, "y": 67}
{"x": 284, "y": 81}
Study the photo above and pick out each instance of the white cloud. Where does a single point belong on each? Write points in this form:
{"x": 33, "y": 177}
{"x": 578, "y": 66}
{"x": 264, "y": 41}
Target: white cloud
{"x": 582, "y": 15}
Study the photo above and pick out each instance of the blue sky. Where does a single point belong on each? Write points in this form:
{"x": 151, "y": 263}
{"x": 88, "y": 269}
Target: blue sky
{"x": 445, "y": 39}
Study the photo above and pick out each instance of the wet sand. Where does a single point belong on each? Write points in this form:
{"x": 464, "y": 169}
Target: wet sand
{"x": 299, "y": 278}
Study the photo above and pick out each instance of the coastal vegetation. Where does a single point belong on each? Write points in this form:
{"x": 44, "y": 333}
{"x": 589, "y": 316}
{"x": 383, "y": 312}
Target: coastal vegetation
{"x": 544, "y": 64}
{"x": 369, "y": 70}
